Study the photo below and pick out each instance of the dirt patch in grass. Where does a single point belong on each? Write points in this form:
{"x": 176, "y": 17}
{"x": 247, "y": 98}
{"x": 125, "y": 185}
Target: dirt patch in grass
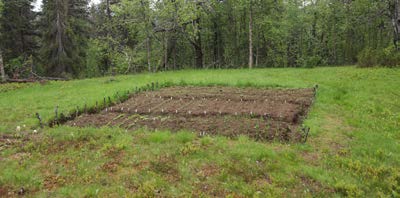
{"x": 262, "y": 114}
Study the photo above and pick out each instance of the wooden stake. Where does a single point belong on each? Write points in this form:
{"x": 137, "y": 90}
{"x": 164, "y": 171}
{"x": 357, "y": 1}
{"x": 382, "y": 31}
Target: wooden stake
{"x": 40, "y": 120}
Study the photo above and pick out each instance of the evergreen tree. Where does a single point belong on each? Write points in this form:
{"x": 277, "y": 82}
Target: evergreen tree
{"x": 17, "y": 29}
{"x": 64, "y": 24}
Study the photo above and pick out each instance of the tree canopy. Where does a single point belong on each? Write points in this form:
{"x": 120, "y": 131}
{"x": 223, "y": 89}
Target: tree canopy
{"x": 71, "y": 38}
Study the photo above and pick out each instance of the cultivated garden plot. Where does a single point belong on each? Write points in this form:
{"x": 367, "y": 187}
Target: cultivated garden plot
{"x": 262, "y": 114}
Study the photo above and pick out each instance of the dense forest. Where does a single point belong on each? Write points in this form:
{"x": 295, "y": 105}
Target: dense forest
{"x": 71, "y": 38}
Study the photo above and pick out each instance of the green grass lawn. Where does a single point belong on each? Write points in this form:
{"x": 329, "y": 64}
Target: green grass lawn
{"x": 353, "y": 148}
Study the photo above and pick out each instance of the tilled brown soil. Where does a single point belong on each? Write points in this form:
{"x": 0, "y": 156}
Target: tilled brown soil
{"x": 262, "y": 114}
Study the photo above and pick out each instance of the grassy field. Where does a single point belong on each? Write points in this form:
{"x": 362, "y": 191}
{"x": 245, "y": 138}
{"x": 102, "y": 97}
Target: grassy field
{"x": 353, "y": 148}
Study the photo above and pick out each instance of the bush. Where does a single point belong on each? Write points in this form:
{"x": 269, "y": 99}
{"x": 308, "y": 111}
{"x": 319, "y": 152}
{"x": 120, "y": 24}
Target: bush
{"x": 388, "y": 57}
{"x": 368, "y": 58}
{"x": 313, "y": 61}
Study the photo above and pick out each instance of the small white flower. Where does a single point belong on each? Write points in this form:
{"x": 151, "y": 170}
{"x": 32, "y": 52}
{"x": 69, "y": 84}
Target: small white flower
{"x": 18, "y": 128}
{"x": 24, "y": 125}
{"x": 35, "y": 131}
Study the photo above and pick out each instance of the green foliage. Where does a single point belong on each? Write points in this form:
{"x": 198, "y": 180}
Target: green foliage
{"x": 94, "y": 58}
{"x": 64, "y": 26}
{"x": 388, "y": 57}
{"x": 368, "y": 58}
{"x": 17, "y": 31}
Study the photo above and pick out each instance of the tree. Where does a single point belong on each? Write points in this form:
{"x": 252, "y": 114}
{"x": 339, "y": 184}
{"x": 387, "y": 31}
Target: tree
{"x": 64, "y": 24}
{"x": 251, "y": 34}
{"x": 2, "y": 72}
{"x": 18, "y": 29}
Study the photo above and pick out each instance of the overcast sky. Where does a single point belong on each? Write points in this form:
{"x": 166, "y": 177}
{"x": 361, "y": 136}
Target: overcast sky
{"x": 38, "y": 3}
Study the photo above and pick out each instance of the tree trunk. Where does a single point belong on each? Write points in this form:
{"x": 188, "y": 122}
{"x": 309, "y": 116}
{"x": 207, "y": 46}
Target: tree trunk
{"x": 251, "y": 36}
{"x": 109, "y": 18}
{"x": 199, "y": 56}
{"x": 148, "y": 45}
{"x": 165, "y": 52}
{"x": 61, "y": 67}
{"x": 215, "y": 46}
{"x": 3, "y": 74}
{"x": 257, "y": 51}
{"x": 396, "y": 23}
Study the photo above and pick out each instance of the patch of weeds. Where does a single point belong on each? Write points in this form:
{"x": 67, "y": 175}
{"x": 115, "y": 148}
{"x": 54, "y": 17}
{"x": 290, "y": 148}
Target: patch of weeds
{"x": 184, "y": 137}
{"x": 166, "y": 166}
{"x": 206, "y": 141}
{"x": 158, "y": 137}
{"x": 349, "y": 190}
{"x": 13, "y": 174}
{"x": 189, "y": 148}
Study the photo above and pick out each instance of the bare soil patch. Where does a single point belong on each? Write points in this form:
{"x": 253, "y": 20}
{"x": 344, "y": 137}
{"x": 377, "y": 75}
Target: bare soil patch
{"x": 262, "y": 114}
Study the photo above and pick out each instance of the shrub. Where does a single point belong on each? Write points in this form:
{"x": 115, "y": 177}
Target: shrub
{"x": 390, "y": 57}
{"x": 387, "y": 57}
{"x": 368, "y": 58}
{"x": 312, "y": 61}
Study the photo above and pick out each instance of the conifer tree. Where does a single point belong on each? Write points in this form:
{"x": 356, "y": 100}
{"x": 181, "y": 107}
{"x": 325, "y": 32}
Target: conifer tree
{"x": 64, "y": 25}
{"x": 17, "y": 29}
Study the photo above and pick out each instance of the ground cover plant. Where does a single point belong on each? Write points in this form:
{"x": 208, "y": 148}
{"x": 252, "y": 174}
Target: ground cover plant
{"x": 352, "y": 149}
